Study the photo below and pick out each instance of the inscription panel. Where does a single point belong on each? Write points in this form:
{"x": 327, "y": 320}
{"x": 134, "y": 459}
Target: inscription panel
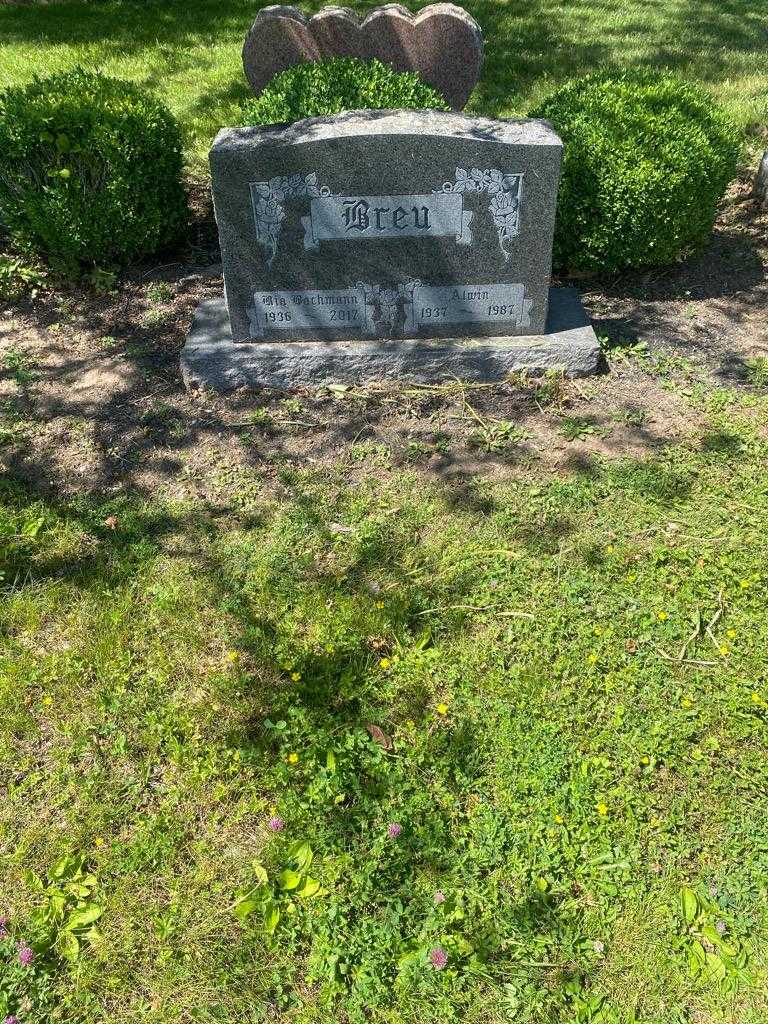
{"x": 336, "y": 309}
{"x": 334, "y": 218}
{"x": 410, "y": 309}
{"x": 428, "y": 306}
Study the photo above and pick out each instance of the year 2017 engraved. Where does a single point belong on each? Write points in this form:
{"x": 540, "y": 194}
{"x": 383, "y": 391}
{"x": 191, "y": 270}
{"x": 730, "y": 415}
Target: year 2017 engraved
{"x": 317, "y": 310}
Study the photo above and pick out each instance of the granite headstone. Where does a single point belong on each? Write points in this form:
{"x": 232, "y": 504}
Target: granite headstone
{"x": 387, "y": 224}
{"x": 442, "y": 43}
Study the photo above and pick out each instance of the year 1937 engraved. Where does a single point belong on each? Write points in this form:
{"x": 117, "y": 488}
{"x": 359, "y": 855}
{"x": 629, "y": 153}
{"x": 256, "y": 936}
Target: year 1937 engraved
{"x": 457, "y": 304}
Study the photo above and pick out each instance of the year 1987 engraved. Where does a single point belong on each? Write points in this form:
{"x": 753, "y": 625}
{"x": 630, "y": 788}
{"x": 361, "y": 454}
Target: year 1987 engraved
{"x": 467, "y": 304}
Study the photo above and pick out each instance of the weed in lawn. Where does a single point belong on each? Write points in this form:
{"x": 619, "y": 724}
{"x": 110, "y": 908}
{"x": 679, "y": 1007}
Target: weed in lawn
{"x": 159, "y": 292}
{"x": 549, "y": 391}
{"x": 374, "y": 452}
{"x": 260, "y": 417}
{"x": 620, "y": 348}
{"x": 19, "y": 366}
{"x": 497, "y": 435}
{"x": 579, "y": 428}
{"x": 667, "y": 366}
{"x": 441, "y": 442}
{"x": 18, "y": 279}
{"x": 163, "y": 420}
{"x": 757, "y": 371}
{"x": 102, "y": 281}
{"x": 292, "y": 406}
{"x": 416, "y": 450}
{"x": 156, "y": 316}
{"x": 13, "y": 424}
{"x": 633, "y": 417}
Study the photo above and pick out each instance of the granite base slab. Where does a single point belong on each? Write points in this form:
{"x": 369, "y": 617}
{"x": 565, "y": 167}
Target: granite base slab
{"x": 211, "y": 359}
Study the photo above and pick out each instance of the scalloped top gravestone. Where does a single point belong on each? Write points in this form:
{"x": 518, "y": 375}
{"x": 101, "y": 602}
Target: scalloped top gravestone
{"x": 386, "y": 243}
{"x": 443, "y": 43}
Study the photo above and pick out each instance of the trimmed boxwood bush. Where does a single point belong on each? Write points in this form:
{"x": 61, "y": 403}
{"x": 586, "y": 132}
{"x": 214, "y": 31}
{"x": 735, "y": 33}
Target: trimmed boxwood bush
{"x": 647, "y": 159}
{"x": 333, "y": 86}
{"x": 90, "y": 171}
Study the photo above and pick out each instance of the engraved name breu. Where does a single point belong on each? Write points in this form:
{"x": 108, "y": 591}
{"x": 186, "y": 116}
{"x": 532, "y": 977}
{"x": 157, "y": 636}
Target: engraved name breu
{"x": 358, "y": 216}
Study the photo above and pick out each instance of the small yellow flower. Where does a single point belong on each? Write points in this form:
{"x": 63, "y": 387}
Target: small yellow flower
{"x": 731, "y": 634}
{"x": 233, "y": 657}
{"x": 441, "y": 709}
{"x": 631, "y": 577}
{"x": 724, "y": 649}
{"x": 559, "y": 819}
{"x": 98, "y": 841}
{"x": 295, "y": 676}
{"x": 602, "y": 809}
{"x": 598, "y": 630}
{"x": 592, "y": 659}
{"x": 293, "y": 758}
{"x": 385, "y": 663}
{"x": 379, "y": 604}
{"x": 609, "y": 549}
{"x": 756, "y": 698}
{"x": 662, "y": 616}
{"x": 745, "y": 584}
{"x": 645, "y": 759}
{"x": 47, "y": 700}
{"x": 686, "y": 702}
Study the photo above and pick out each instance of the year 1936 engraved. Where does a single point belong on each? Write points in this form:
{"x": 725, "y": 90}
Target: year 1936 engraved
{"x": 315, "y": 310}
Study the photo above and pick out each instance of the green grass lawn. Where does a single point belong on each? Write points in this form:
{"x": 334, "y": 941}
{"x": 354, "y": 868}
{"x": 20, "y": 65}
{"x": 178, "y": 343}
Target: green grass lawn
{"x": 188, "y": 51}
{"x": 568, "y": 680}
{"x": 555, "y": 687}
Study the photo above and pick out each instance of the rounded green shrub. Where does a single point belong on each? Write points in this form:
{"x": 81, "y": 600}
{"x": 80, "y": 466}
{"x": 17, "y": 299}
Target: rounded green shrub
{"x": 333, "y": 86}
{"x": 647, "y": 159}
{"x": 90, "y": 171}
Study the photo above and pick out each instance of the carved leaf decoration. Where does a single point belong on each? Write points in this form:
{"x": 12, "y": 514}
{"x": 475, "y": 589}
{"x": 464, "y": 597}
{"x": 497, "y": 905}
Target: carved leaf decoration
{"x": 379, "y": 736}
{"x": 493, "y": 181}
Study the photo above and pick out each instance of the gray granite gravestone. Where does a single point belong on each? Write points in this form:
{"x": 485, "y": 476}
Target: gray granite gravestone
{"x": 352, "y": 240}
{"x": 760, "y": 190}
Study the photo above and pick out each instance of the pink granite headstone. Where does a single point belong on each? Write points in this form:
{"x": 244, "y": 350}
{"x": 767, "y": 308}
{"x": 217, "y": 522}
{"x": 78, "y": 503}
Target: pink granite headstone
{"x": 442, "y": 43}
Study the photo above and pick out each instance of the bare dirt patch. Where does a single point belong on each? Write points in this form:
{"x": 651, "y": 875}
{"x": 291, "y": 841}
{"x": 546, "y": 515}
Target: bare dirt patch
{"x": 91, "y": 397}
